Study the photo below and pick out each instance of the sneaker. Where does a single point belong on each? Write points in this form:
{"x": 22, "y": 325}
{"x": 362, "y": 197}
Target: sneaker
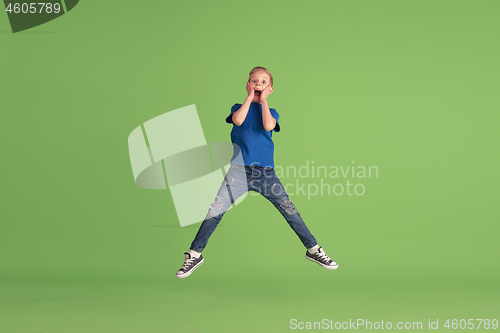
{"x": 190, "y": 264}
{"x": 321, "y": 258}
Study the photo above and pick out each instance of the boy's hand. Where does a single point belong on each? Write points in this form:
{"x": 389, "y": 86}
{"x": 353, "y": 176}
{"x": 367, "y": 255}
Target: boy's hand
{"x": 250, "y": 91}
{"x": 266, "y": 92}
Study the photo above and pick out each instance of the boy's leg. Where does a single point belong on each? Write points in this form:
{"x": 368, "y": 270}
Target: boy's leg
{"x": 270, "y": 187}
{"x": 233, "y": 187}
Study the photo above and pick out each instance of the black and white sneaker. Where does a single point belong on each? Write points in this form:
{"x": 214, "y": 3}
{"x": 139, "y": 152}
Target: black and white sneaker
{"x": 322, "y": 259}
{"x": 190, "y": 264}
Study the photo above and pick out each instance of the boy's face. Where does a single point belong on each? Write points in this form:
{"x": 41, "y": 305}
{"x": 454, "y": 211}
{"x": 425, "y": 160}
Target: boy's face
{"x": 259, "y": 80}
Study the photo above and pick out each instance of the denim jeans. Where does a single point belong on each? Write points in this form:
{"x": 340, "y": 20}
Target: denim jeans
{"x": 238, "y": 181}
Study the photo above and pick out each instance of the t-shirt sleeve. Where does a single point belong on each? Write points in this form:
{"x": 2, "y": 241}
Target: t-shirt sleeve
{"x": 229, "y": 119}
{"x": 276, "y": 116}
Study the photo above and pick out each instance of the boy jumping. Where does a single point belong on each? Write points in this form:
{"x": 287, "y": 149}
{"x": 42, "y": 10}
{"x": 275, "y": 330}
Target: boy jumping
{"x": 252, "y": 169}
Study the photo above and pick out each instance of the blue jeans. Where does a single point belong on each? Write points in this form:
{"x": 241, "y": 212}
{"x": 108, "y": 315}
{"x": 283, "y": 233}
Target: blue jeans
{"x": 239, "y": 180}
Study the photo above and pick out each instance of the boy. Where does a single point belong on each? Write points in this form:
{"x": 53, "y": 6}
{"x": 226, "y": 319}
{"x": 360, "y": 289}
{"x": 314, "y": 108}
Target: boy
{"x": 252, "y": 169}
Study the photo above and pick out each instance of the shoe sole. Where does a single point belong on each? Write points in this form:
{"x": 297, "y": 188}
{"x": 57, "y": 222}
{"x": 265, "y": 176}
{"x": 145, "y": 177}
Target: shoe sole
{"x": 185, "y": 275}
{"x": 323, "y": 265}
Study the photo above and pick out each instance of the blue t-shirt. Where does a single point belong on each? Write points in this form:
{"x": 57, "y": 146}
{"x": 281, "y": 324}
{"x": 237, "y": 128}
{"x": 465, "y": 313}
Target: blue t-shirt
{"x": 251, "y": 139}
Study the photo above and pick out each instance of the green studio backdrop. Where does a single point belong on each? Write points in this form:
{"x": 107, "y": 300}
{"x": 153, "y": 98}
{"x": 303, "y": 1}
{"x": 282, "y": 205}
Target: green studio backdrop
{"x": 409, "y": 88}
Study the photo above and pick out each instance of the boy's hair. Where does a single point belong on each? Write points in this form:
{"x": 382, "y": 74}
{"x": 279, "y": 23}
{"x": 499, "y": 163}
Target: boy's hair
{"x": 259, "y": 68}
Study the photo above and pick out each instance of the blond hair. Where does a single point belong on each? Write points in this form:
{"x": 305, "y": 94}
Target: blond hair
{"x": 259, "y": 68}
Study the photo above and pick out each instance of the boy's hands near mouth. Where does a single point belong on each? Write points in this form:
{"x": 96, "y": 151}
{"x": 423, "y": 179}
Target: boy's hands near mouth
{"x": 250, "y": 90}
{"x": 266, "y": 92}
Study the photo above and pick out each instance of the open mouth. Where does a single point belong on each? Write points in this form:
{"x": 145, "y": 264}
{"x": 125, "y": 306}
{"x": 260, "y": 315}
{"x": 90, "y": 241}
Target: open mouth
{"x": 257, "y": 93}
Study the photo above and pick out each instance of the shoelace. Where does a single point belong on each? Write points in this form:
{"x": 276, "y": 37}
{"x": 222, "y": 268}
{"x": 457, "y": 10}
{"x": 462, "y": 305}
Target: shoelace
{"x": 187, "y": 263}
{"x": 323, "y": 257}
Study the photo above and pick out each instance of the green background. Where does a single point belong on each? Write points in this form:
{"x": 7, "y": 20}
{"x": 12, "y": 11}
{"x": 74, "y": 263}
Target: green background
{"x": 409, "y": 86}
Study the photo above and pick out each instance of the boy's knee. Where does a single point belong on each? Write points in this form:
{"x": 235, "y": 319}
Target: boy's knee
{"x": 289, "y": 207}
{"x": 215, "y": 207}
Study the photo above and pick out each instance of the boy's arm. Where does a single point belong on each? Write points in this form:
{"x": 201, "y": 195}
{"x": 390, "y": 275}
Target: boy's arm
{"x": 240, "y": 115}
{"x": 267, "y": 119}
